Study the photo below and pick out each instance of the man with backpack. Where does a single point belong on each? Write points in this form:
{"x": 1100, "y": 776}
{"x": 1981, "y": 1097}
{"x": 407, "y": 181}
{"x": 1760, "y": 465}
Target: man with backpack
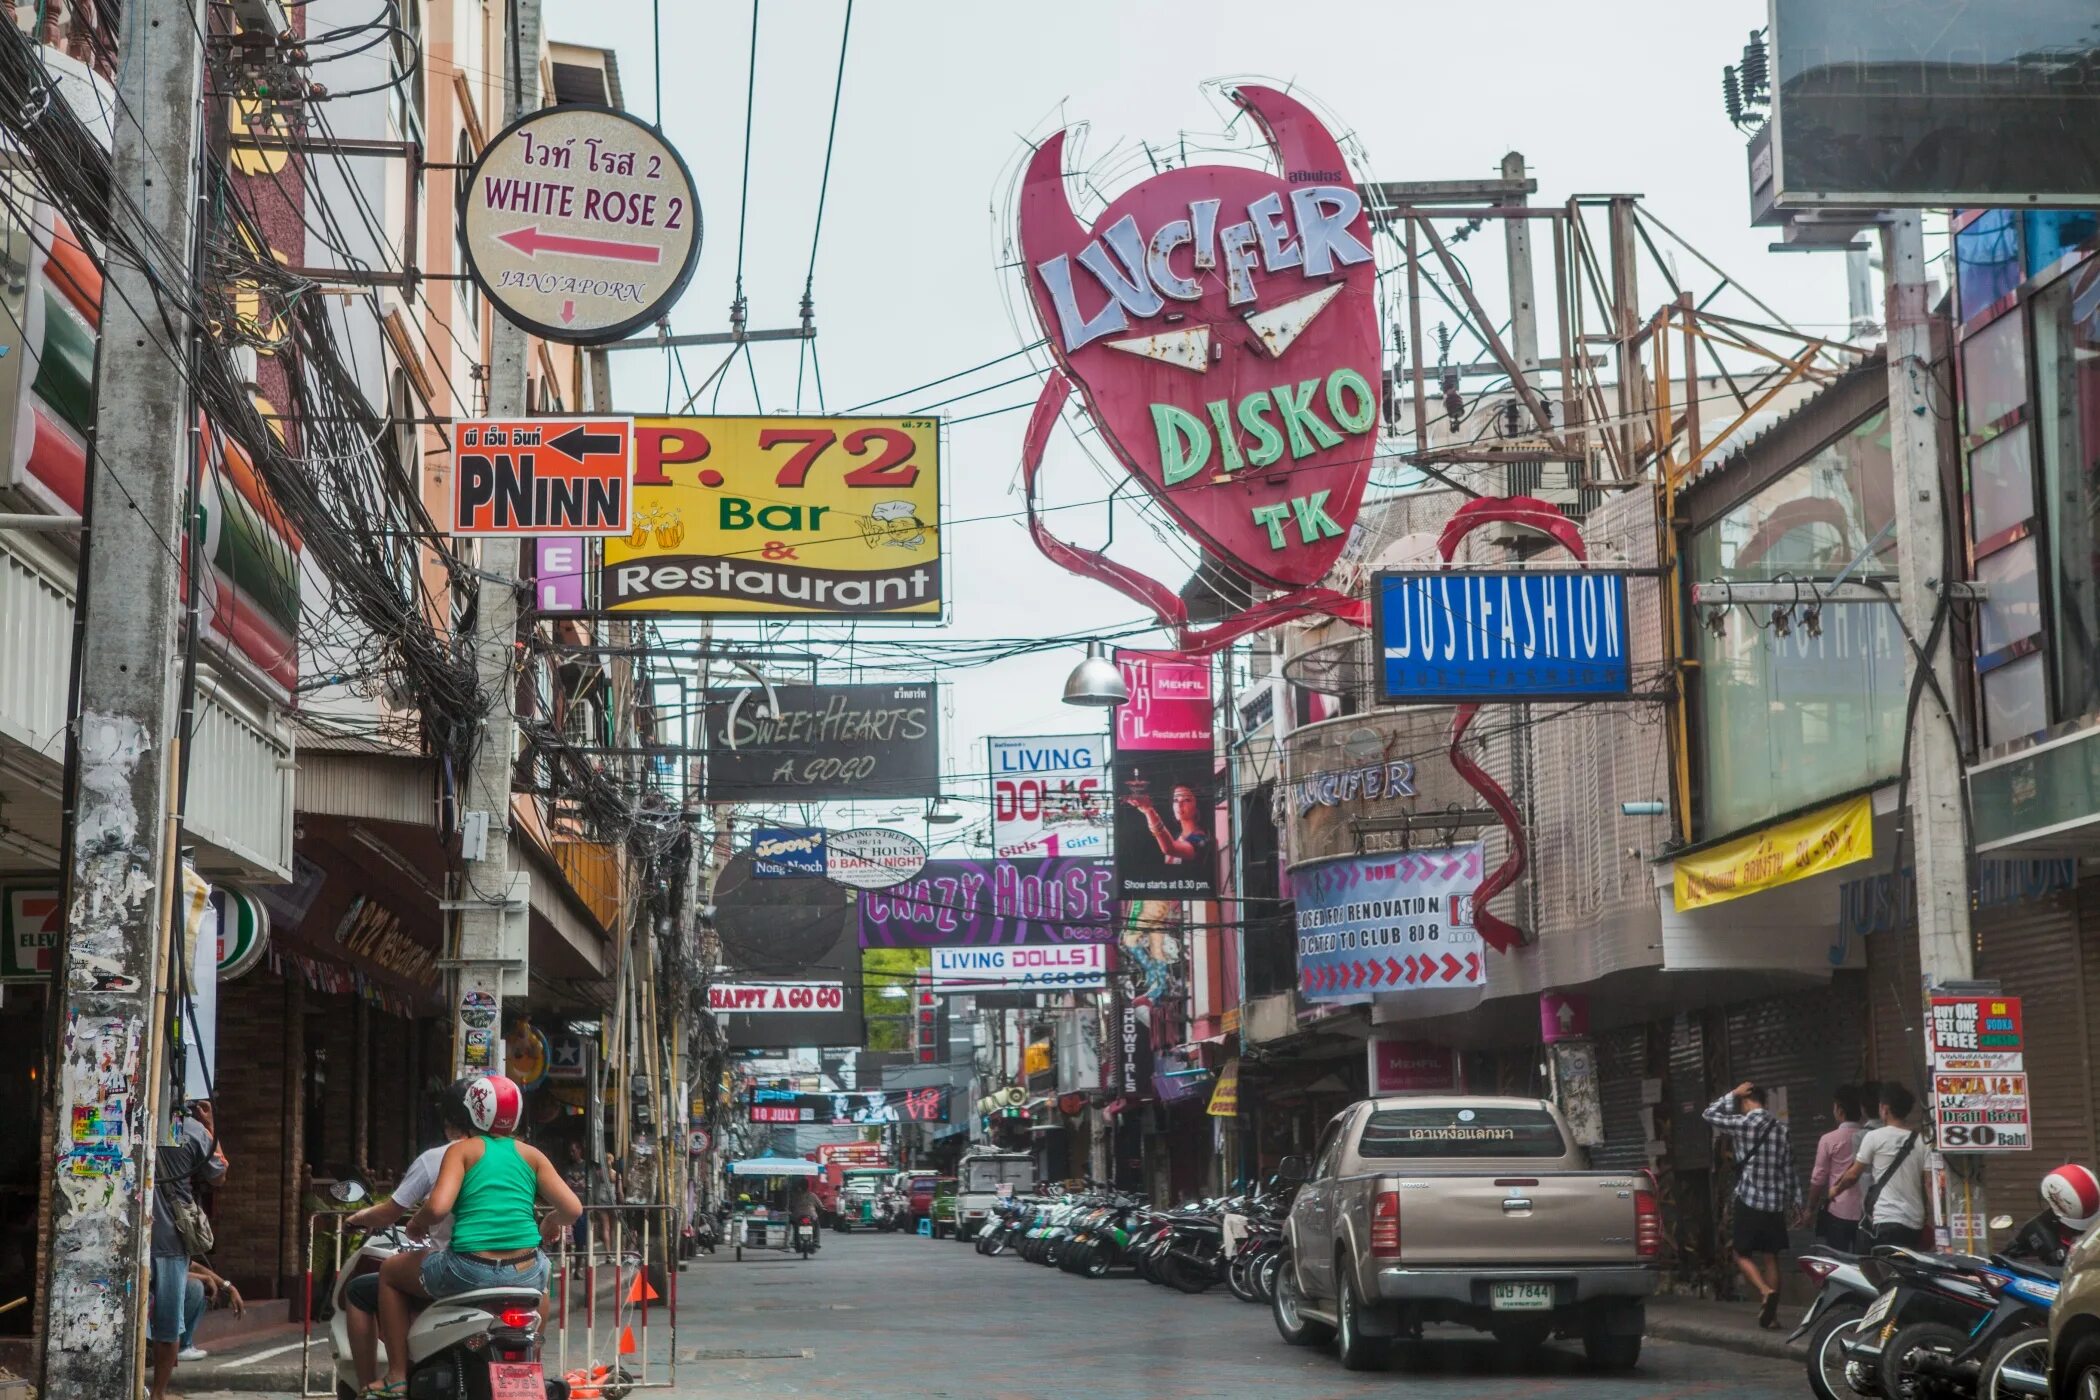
{"x": 1767, "y": 1189}
{"x": 1891, "y": 1159}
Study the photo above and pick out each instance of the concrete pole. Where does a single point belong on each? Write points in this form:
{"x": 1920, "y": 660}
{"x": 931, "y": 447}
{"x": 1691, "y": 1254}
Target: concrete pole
{"x": 1938, "y": 850}
{"x": 486, "y": 888}
{"x": 1523, "y": 299}
{"x": 1945, "y": 952}
{"x": 117, "y": 857}
{"x": 1625, "y": 300}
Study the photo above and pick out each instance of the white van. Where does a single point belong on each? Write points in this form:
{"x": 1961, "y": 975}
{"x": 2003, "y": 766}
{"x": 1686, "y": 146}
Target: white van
{"x": 977, "y": 1186}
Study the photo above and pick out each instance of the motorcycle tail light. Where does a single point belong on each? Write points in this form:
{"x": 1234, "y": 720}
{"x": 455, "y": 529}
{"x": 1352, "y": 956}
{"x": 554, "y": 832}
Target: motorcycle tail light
{"x": 520, "y": 1318}
{"x": 1647, "y": 1225}
{"x": 1818, "y": 1269}
{"x": 1385, "y": 1225}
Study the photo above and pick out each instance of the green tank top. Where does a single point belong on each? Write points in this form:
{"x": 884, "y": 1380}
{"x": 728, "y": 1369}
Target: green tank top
{"x": 494, "y": 1209}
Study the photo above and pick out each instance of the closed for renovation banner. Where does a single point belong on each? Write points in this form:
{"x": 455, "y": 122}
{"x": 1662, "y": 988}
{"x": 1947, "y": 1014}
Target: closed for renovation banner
{"x": 1777, "y": 855}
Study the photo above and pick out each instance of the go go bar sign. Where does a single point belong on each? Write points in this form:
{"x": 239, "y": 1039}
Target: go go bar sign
{"x": 755, "y": 998}
{"x": 580, "y": 223}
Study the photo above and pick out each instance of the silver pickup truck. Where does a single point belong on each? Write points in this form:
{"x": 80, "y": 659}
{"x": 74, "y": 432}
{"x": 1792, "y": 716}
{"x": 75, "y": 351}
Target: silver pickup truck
{"x": 1476, "y": 1211}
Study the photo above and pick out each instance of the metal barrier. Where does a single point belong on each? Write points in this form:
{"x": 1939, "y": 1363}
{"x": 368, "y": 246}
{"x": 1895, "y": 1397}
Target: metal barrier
{"x": 602, "y": 1359}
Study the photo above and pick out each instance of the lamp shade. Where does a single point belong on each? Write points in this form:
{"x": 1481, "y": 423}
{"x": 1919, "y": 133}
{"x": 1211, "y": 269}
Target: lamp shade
{"x": 1096, "y": 681}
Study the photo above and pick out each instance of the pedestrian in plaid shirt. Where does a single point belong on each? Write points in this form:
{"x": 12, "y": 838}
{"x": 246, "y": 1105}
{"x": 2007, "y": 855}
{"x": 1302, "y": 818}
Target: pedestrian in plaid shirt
{"x": 1767, "y": 1189}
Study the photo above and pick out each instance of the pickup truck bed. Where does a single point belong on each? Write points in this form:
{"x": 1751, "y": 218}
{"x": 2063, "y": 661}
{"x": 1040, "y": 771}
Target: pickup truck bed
{"x": 1477, "y": 1211}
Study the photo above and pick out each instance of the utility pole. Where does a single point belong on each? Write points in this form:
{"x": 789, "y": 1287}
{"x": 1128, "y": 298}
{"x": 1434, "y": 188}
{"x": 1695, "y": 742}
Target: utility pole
{"x": 118, "y": 856}
{"x": 1523, "y": 300}
{"x": 1939, "y": 852}
{"x": 489, "y": 893}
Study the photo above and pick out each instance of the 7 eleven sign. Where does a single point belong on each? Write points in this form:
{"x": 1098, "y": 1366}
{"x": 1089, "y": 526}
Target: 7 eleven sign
{"x": 31, "y": 919}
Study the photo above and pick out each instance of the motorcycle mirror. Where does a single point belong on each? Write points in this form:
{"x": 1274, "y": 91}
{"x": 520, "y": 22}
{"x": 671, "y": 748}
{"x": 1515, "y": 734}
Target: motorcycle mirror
{"x": 2001, "y": 1222}
{"x": 348, "y": 1192}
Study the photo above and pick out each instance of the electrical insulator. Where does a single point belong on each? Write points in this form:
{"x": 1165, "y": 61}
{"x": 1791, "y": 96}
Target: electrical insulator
{"x": 1454, "y": 402}
{"x": 1512, "y": 419}
{"x": 1731, "y": 96}
{"x": 1756, "y": 72}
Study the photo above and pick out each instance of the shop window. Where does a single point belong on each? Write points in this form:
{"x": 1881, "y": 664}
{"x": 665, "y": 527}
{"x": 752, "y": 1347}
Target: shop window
{"x": 1993, "y": 374}
{"x": 2001, "y": 483}
{"x": 1987, "y": 259}
{"x": 1785, "y": 721}
{"x": 2013, "y": 611}
{"x": 2067, "y": 422}
{"x": 2015, "y": 700}
{"x": 2051, "y": 233}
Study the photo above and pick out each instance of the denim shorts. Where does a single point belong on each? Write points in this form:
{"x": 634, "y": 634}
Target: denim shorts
{"x": 169, "y": 1285}
{"x": 446, "y": 1273}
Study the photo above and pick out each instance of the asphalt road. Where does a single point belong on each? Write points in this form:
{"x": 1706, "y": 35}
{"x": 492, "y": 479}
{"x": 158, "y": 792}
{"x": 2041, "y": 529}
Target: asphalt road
{"x": 889, "y": 1317}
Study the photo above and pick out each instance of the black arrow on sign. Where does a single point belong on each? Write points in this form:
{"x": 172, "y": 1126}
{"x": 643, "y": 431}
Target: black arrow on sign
{"x": 579, "y": 442}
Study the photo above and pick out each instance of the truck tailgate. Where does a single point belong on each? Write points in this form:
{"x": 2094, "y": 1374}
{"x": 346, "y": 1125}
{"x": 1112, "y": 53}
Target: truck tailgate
{"x": 1488, "y": 1220}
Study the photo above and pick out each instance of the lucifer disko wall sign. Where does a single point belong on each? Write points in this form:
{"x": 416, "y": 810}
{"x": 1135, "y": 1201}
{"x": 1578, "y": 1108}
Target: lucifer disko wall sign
{"x": 1219, "y": 322}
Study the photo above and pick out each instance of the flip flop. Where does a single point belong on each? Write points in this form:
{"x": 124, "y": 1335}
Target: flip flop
{"x": 383, "y": 1390}
{"x": 1768, "y": 1310}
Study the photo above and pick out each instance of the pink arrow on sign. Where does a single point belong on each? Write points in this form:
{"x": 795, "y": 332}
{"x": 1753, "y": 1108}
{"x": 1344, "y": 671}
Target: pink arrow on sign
{"x": 1359, "y": 976}
{"x": 1472, "y": 967}
{"x": 568, "y": 312}
{"x": 1377, "y": 973}
{"x": 1392, "y": 969}
{"x": 531, "y": 242}
{"x": 1305, "y": 979}
{"x": 1451, "y": 967}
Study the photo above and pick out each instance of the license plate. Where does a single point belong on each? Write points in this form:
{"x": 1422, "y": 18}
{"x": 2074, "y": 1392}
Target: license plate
{"x": 1880, "y": 1310}
{"x": 516, "y": 1380}
{"x": 1521, "y": 1297}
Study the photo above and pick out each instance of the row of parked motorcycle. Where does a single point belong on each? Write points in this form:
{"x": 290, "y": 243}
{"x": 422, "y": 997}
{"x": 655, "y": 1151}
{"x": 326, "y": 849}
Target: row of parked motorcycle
{"x": 1902, "y": 1324}
{"x": 1235, "y": 1240}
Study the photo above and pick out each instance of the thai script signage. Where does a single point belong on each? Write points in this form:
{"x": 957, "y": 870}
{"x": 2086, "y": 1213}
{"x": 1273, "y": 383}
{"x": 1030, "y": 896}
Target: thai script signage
{"x": 579, "y": 223}
{"x": 1776, "y": 855}
{"x": 784, "y": 851}
{"x": 542, "y": 476}
{"x": 1448, "y": 635}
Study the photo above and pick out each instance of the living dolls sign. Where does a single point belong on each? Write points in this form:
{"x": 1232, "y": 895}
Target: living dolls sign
{"x": 1220, "y": 324}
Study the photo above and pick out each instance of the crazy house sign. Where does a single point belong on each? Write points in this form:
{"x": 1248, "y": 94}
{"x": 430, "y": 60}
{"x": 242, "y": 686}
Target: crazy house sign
{"x": 1220, "y": 323}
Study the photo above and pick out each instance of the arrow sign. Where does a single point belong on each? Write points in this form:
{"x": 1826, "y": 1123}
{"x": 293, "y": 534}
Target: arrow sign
{"x": 579, "y": 442}
{"x": 1451, "y": 967}
{"x": 531, "y": 242}
{"x": 1392, "y": 969}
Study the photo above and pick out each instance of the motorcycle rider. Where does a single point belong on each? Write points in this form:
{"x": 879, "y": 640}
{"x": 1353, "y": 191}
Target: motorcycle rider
{"x": 490, "y": 1184}
{"x": 362, "y": 1294}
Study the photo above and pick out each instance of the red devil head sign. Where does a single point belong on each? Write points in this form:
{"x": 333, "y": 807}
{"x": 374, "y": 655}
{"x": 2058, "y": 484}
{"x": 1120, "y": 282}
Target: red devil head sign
{"x": 1220, "y": 323}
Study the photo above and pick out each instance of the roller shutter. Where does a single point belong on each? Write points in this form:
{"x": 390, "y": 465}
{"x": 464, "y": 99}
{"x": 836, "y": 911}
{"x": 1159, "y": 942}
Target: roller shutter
{"x": 2032, "y": 951}
{"x": 1805, "y": 1043}
{"x": 1622, "y": 1062}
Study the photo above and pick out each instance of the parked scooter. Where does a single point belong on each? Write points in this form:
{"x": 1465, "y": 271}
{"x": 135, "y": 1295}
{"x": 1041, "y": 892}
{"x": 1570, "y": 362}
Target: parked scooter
{"x": 486, "y": 1342}
{"x": 1846, "y": 1295}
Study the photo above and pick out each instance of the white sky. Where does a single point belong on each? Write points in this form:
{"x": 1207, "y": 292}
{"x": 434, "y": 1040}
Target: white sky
{"x": 939, "y": 96}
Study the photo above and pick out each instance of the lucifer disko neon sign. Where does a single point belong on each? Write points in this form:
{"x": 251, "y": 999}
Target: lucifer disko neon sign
{"x": 1220, "y": 324}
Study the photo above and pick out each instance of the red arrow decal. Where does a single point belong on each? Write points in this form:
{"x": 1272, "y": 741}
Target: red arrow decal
{"x": 1305, "y": 979}
{"x": 1377, "y": 973}
{"x": 531, "y": 242}
{"x": 1392, "y": 969}
{"x": 1451, "y": 967}
{"x": 1472, "y": 967}
{"x": 1359, "y": 976}
{"x": 568, "y": 312}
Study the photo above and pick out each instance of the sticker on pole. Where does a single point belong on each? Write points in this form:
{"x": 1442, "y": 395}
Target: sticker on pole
{"x": 542, "y": 476}
{"x": 580, "y": 223}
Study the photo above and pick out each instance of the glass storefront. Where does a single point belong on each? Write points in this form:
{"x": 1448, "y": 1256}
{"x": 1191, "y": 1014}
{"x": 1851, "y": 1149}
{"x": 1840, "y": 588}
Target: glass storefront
{"x": 1787, "y": 719}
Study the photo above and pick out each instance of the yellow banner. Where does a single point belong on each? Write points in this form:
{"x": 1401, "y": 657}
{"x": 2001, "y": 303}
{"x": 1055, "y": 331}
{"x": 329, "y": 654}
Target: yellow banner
{"x": 1225, "y": 1096}
{"x": 771, "y": 517}
{"x": 1778, "y": 855}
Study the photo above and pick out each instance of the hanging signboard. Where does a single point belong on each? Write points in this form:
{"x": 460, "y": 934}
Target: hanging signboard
{"x": 768, "y": 998}
{"x": 1446, "y": 636}
{"x": 1050, "y": 796}
{"x": 1776, "y": 855}
{"x": 779, "y": 852}
{"x": 1394, "y": 922}
{"x": 1069, "y": 968}
{"x": 1979, "y": 1074}
{"x": 873, "y": 857}
{"x": 928, "y": 1105}
{"x": 1170, "y": 703}
{"x": 782, "y": 517}
{"x": 1411, "y": 1067}
{"x": 810, "y": 743}
{"x": 244, "y": 930}
{"x": 987, "y": 903}
{"x": 1165, "y": 824}
{"x": 1223, "y": 323}
{"x": 579, "y": 223}
{"x": 542, "y": 476}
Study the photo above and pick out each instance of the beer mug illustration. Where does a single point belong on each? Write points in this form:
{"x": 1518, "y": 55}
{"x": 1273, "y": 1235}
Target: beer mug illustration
{"x": 669, "y": 532}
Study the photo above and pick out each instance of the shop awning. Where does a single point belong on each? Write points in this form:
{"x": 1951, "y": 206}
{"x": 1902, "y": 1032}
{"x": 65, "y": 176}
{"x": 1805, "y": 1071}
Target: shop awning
{"x": 773, "y": 1166}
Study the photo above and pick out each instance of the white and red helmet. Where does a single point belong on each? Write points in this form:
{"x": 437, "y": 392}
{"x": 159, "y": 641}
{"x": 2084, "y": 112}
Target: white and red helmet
{"x": 485, "y": 1103}
{"x": 2073, "y": 1192}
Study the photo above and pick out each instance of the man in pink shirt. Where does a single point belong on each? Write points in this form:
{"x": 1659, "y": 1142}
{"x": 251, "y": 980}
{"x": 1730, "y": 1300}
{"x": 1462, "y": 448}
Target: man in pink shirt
{"x": 1837, "y": 1217}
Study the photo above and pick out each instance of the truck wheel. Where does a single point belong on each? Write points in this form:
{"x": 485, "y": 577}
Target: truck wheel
{"x": 1357, "y": 1352}
{"x": 1611, "y": 1351}
{"x": 1293, "y": 1326}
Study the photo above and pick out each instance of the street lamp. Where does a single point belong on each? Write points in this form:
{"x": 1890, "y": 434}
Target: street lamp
{"x": 939, "y": 813}
{"x": 1096, "y": 681}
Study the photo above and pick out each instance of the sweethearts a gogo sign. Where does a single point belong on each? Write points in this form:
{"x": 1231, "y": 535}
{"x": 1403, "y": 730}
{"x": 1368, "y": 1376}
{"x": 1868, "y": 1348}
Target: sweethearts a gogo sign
{"x": 1220, "y": 323}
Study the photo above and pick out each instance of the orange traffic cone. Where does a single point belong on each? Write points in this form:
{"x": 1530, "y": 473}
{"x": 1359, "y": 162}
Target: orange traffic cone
{"x": 627, "y": 1341}
{"x": 640, "y": 1290}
